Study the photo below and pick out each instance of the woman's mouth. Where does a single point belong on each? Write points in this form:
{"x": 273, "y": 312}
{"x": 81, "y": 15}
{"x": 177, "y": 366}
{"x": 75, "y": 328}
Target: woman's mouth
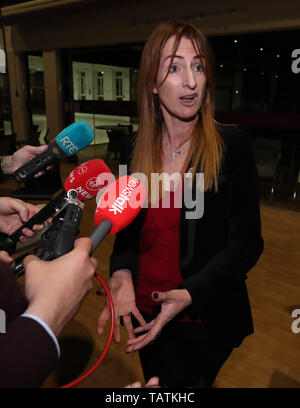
{"x": 188, "y": 99}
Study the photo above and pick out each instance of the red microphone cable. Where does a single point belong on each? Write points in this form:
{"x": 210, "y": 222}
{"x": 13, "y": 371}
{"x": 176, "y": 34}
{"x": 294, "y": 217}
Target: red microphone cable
{"x": 109, "y": 340}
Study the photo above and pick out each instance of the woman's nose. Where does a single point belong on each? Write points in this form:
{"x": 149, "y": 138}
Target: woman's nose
{"x": 189, "y": 79}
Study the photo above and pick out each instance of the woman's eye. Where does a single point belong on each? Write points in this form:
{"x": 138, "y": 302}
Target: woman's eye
{"x": 198, "y": 68}
{"x": 173, "y": 68}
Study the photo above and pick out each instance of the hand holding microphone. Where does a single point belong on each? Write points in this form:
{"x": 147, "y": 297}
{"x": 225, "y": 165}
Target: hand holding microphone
{"x": 68, "y": 142}
{"x": 14, "y": 214}
{"x": 11, "y": 163}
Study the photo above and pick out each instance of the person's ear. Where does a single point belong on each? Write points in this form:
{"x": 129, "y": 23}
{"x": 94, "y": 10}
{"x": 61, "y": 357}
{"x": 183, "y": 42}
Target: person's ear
{"x": 155, "y": 90}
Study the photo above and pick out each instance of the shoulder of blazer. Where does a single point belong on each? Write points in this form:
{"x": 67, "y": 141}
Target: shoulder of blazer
{"x": 236, "y": 143}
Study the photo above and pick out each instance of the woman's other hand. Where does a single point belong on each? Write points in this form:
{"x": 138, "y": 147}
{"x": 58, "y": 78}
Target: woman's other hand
{"x": 172, "y": 303}
{"x": 123, "y": 295}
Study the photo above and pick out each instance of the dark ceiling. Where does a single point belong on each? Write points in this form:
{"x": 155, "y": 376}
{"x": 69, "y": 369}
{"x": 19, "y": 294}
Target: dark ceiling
{"x": 4, "y": 3}
{"x": 125, "y": 56}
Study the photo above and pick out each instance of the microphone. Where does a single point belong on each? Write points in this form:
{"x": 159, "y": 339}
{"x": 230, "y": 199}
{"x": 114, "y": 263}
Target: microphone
{"x": 68, "y": 142}
{"x": 117, "y": 208}
{"x": 89, "y": 179}
{"x": 82, "y": 183}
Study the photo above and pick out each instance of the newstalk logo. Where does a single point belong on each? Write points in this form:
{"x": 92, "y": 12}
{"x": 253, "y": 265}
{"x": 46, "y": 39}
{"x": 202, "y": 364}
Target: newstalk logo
{"x": 120, "y": 203}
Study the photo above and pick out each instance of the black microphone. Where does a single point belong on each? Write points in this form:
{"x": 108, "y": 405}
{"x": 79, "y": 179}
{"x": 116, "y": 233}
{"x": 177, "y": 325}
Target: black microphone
{"x": 68, "y": 142}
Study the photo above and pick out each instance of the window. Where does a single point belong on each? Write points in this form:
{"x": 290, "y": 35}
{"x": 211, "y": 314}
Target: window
{"x": 99, "y": 86}
{"x": 82, "y": 85}
{"x": 119, "y": 85}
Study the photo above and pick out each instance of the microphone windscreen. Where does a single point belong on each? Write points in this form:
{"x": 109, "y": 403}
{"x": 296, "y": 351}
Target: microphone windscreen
{"x": 121, "y": 203}
{"x": 75, "y": 137}
{"x": 86, "y": 181}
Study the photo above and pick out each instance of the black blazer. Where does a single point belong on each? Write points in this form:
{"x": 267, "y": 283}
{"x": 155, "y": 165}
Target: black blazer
{"x": 217, "y": 250}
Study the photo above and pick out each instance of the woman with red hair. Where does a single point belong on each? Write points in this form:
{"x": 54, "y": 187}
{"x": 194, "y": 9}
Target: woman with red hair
{"x": 178, "y": 276}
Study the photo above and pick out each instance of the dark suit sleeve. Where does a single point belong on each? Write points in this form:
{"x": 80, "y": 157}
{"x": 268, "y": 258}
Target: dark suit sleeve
{"x": 28, "y": 354}
{"x": 229, "y": 266}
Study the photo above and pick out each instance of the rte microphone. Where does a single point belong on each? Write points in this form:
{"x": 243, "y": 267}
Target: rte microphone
{"x": 68, "y": 142}
{"x": 82, "y": 183}
{"x": 118, "y": 206}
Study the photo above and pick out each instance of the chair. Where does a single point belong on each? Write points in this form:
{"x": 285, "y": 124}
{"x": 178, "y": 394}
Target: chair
{"x": 288, "y": 171}
{"x": 127, "y": 144}
{"x": 114, "y": 143}
{"x": 268, "y": 153}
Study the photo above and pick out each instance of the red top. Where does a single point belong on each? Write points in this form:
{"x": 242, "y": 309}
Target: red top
{"x": 159, "y": 255}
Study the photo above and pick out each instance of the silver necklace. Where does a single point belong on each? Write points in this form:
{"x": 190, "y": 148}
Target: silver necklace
{"x": 178, "y": 151}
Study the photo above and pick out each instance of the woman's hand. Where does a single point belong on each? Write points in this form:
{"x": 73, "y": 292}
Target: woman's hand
{"x": 152, "y": 383}
{"x": 122, "y": 291}
{"x": 172, "y": 303}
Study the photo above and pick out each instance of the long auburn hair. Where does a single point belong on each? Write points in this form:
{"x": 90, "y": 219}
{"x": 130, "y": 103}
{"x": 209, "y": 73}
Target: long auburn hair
{"x": 206, "y": 145}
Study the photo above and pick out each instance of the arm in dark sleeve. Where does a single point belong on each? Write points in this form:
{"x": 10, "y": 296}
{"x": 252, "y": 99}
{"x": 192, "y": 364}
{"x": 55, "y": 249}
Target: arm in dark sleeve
{"x": 28, "y": 353}
{"x": 229, "y": 266}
